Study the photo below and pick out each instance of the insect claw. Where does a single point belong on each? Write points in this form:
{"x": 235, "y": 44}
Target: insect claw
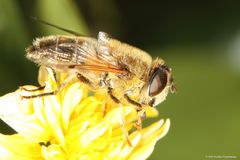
{"x": 138, "y": 124}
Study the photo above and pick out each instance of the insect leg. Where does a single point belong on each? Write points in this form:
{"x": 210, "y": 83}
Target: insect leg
{"x": 84, "y": 79}
{"x": 112, "y": 96}
{"x": 104, "y": 81}
{"x": 59, "y": 88}
{"x": 122, "y": 115}
{"x": 141, "y": 116}
{"x": 132, "y": 101}
{"x": 140, "y": 111}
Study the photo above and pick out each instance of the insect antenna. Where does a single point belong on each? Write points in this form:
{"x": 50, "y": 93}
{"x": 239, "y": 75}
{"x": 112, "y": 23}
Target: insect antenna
{"x": 55, "y": 26}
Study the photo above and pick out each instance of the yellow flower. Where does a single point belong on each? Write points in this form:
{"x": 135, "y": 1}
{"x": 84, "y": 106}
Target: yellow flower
{"x": 72, "y": 125}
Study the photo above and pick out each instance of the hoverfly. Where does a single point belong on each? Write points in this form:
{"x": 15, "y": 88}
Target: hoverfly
{"x": 128, "y": 74}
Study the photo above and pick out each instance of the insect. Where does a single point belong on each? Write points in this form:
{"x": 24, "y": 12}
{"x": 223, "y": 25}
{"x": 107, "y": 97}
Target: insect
{"x": 128, "y": 74}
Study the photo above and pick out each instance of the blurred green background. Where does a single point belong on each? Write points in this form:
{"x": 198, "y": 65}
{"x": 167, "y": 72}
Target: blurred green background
{"x": 199, "y": 40}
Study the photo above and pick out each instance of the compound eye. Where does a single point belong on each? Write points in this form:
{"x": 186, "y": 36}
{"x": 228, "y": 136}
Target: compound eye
{"x": 158, "y": 82}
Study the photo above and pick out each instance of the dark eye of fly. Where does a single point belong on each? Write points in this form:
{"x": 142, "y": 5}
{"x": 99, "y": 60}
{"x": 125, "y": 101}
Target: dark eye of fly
{"x": 158, "y": 82}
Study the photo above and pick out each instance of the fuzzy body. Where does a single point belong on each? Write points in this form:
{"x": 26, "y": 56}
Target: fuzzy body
{"x": 102, "y": 63}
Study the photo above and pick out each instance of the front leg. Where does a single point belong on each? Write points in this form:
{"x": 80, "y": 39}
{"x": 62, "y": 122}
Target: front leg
{"x": 140, "y": 111}
{"x": 141, "y": 116}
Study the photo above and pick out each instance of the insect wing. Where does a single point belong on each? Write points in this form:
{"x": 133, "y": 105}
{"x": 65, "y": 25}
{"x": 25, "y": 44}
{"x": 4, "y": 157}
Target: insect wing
{"x": 96, "y": 58}
{"x": 82, "y": 53}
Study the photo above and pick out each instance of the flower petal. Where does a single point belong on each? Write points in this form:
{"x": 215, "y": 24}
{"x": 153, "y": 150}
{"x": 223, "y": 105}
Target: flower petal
{"x": 18, "y": 114}
{"x": 91, "y": 134}
{"x": 45, "y": 74}
{"x": 151, "y": 111}
{"x": 114, "y": 116}
{"x": 126, "y": 150}
{"x": 53, "y": 116}
{"x": 150, "y": 136}
{"x": 53, "y": 152}
{"x": 17, "y": 147}
{"x": 71, "y": 99}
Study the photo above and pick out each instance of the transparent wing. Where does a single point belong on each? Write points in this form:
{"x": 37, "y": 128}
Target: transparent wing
{"x": 75, "y": 52}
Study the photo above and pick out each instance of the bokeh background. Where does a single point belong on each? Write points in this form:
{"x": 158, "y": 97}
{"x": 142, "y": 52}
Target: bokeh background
{"x": 199, "y": 40}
